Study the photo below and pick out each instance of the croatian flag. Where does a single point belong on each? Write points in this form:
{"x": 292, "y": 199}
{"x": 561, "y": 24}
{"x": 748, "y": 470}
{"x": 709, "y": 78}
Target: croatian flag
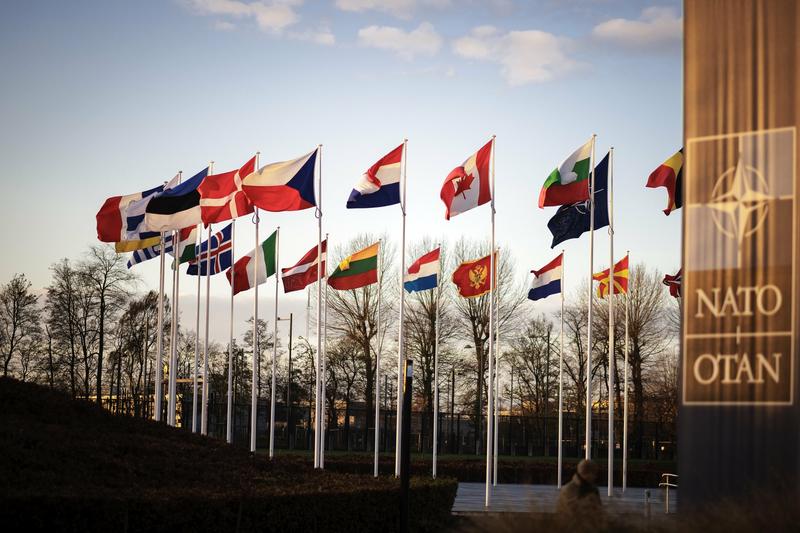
{"x": 546, "y": 280}
{"x": 284, "y": 186}
{"x": 423, "y": 274}
{"x": 380, "y": 184}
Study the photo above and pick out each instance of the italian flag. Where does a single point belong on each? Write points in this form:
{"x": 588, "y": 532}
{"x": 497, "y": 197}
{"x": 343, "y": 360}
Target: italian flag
{"x": 357, "y": 270}
{"x": 569, "y": 183}
{"x": 244, "y": 270}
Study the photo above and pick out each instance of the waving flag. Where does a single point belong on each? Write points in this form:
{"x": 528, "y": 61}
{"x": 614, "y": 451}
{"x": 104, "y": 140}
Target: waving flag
{"x": 569, "y": 183}
{"x": 670, "y": 176}
{"x": 176, "y": 208}
{"x": 285, "y": 186}
{"x": 571, "y": 221}
{"x": 245, "y": 268}
{"x": 467, "y": 186}
{"x": 423, "y": 274}
{"x": 547, "y": 280}
{"x": 472, "y": 277}
{"x": 111, "y": 218}
{"x": 304, "y": 273}
{"x": 219, "y": 257}
{"x": 620, "y": 279}
{"x": 222, "y": 197}
{"x": 134, "y": 236}
{"x": 186, "y": 248}
{"x": 674, "y": 283}
{"x": 380, "y": 184}
{"x": 357, "y": 270}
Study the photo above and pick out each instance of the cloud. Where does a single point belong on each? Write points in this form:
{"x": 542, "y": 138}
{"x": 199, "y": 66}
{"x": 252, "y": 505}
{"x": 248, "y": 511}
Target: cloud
{"x": 406, "y": 44}
{"x": 657, "y": 26}
{"x": 224, "y": 25}
{"x": 270, "y": 15}
{"x": 528, "y": 56}
{"x": 399, "y": 8}
{"x": 322, "y": 36}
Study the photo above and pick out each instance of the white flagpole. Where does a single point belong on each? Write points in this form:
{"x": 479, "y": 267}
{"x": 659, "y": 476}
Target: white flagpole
{"x": 561, "y": 382}
{"x": 204, "y": 415}
{"x": 588, "y": 429}
{"x": 324, "y": 367}
{"x": 254, "y": 375}
{"x": 490, "y": 380}
{"x": 229, "y": 418}
{"x": 198, "y": 238}
{"x": 436, "y": 368}
{"x": 379, "y": 340}
{"x": 318, "y": 375}
{"x": 625, "y": 394}
{"x": 274, "y": 348}
{"x": 158, "y": 390}
{"x": 495, "y": 297}
{"x": 400, "y": 339}
{"x": 611, "y": 351}
{"x": 173, "y": 362}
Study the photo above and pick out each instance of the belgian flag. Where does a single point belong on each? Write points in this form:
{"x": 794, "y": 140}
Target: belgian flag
{"x": 670, "y": 175}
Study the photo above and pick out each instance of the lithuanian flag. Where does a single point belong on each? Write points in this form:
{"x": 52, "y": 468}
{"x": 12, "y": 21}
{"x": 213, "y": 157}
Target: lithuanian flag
{"x": 357, "y": 270}
{"x": 620, "y": 279}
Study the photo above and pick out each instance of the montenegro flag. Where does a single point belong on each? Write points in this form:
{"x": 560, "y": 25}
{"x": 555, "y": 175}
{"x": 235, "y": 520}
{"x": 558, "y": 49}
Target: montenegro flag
{"x": 620, "y": 279}
{"x": 472, "y": 277}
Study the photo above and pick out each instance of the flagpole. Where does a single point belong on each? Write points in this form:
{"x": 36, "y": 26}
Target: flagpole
{"x": 496, "y": 378}
{"x": 436, "y": 368}
{"x": 324, "y": 366}
{"x": 318, "y": 375}
{"x": 588, "y": 429}
{"x": 400, "y": 341}
{"x": 379, "y": 340}
{"x": 158, "y": 390}
{"x": 490, "y": 388}
{"x": 229, "y": 418}
{"x": 173, "y": 363}
{"x": 561, "y": 382}
{"x": 625, "y": 394}
{"x": 611, "y": 351}
{"x": 274, "y": 347}
{"x": 198, "y": 238}
{"x": 204, "y": 415}
{"x": 254, "y": 372}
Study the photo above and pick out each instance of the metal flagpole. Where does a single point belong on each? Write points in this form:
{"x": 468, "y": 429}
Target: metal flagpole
{"x": 436, "y": 368}
{"x": 204, "y": 416}
{"x": 400, "y": 340}
{"x": 561, "y": 382}
{"x": 173, "y": 363}
{"x": 625, "y": 394}
{"x": 158, "y": 390}
{"x": 198, "y": 237}
{"x": 254, "y": 377}
{"x": 379, "y": 339}
{"x": 324, "y": 366}
{"x": 274, "y": 348}
{"x": 318, "y": 375}
{"x": 490, "y": 391}
{"x": 496, "y": 377}
{"x": 588, "y": 429}
{"x": 229, "y": 418}
{"x": 611, "y": 350}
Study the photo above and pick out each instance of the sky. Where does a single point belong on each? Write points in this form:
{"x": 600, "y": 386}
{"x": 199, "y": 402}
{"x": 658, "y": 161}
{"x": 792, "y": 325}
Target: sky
{"x": 103, "y": 98}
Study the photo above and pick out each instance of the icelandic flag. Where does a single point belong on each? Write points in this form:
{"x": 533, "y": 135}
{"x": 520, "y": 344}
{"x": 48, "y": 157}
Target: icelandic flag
{"x": 546, "y": 280}
{"x": 220, "y": 257}
{"x": 380, "y": 184}
{"x": 284, "y": 186}
{"x": 423, "y": 274}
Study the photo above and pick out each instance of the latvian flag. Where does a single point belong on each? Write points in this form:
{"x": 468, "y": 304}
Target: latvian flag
{"x": 304, "y": 273}
{"x": 219, "y": 258}
{"x": 380, "y": 184}
{"x": 243, "y": 271}
{"x": 284, "y": 186}
{"x": 423, "y": 274}
{"x": 546, "y": 280}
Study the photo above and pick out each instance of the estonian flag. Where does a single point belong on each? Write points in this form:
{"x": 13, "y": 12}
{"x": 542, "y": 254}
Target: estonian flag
{"x": 176, "y": 208}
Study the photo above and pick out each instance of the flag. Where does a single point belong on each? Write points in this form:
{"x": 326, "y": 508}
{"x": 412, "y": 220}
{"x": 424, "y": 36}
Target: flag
{"x": 423, "y": 274}
{"x": 569, "y": 183}
{"x": 186, "y": 245}
{"x": 111, "y": 219}
{"x": 134, "y": 236}
{"x": 467, "y": 186}
{"x": 472, "y": 277}
{"x": 571, "y": 221}
{"x": 245, "y": 268}
{"x": 304, "y": 272}
{"x": 357, "y": 270}
{"x": 674, "y": 283}
{"x": 285, "y": 186}
{"x": 670, "y": 175}
{"x": 221, "y": 195}
{"x": 546, "y": 280}
{"x": 620, "y": 279}
{"x": 176, "y": 208}
{"x": 380, "y": 184}
{"x": 219, "y": 257}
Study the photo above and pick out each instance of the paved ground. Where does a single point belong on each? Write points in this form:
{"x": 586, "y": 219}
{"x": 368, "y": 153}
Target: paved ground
{"x": 508, "y": 498}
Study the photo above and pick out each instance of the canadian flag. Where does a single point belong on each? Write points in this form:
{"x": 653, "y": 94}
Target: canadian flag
{"x": 467, "y": 186}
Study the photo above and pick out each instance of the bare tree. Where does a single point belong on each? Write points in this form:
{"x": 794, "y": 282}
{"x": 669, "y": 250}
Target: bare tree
{"x": 346, "y": 369}
{"x": 19, "y": 319}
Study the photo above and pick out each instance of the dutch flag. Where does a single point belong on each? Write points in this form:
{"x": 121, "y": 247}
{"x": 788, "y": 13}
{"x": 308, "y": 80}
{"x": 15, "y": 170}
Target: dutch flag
{"x": 546, "y": 280}
{"x": 423, "y": 274}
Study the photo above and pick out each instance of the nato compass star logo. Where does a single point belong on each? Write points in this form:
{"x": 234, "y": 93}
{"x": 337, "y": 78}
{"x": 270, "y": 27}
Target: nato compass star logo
{"x": 740, "y": 201}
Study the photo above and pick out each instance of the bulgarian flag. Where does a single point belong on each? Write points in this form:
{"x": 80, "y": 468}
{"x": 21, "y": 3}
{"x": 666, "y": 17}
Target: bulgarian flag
{"x": 569, "y": 183}
{"x": 357, "y": 270}
{"x": 244, "y": 270}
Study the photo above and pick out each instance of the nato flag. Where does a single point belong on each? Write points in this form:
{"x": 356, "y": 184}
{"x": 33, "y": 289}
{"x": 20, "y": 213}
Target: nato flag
{"x": 571, "y": 221}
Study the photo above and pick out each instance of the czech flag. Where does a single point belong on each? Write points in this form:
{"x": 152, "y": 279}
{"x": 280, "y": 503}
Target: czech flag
{"x": 380, "y": 184}
{"x": 284, "y": 186}
{"x": 546, "y": 280}
{"x": 423, "y": 274}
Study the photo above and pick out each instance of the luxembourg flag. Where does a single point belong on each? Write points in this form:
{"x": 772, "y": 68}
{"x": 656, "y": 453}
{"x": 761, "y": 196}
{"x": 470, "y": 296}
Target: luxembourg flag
{"x": 380, "y": 184}
{"x": 284, "y": 186}
{"x": 423, "y": 274}
{"x": 546, "y": 280}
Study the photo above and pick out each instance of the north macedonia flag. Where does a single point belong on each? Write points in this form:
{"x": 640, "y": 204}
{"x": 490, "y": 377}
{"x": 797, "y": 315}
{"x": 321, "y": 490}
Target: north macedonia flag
{"x": 472, "y": 277}
{"x": 620, "y": 279}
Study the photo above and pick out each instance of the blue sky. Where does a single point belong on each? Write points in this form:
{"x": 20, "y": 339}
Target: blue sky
{"x": 111, "y": 97}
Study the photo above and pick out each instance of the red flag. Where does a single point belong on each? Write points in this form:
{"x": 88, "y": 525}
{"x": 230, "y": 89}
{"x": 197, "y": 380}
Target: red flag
{"x": 674, "y": 283}
{"x": 670, "y": 176}
{"x": 472, "y": 277}
{"x": 304, "y": 273}
{"x": 221, "y": 195}
{"x": 467, "y": 186}
{"x": 620, "y": 279}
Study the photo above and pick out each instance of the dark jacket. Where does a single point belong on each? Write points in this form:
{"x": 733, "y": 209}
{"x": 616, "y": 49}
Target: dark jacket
{"x": 579, "y": 507}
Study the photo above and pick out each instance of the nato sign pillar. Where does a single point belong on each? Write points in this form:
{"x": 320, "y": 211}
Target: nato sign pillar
{"x": 739, "y": 421}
